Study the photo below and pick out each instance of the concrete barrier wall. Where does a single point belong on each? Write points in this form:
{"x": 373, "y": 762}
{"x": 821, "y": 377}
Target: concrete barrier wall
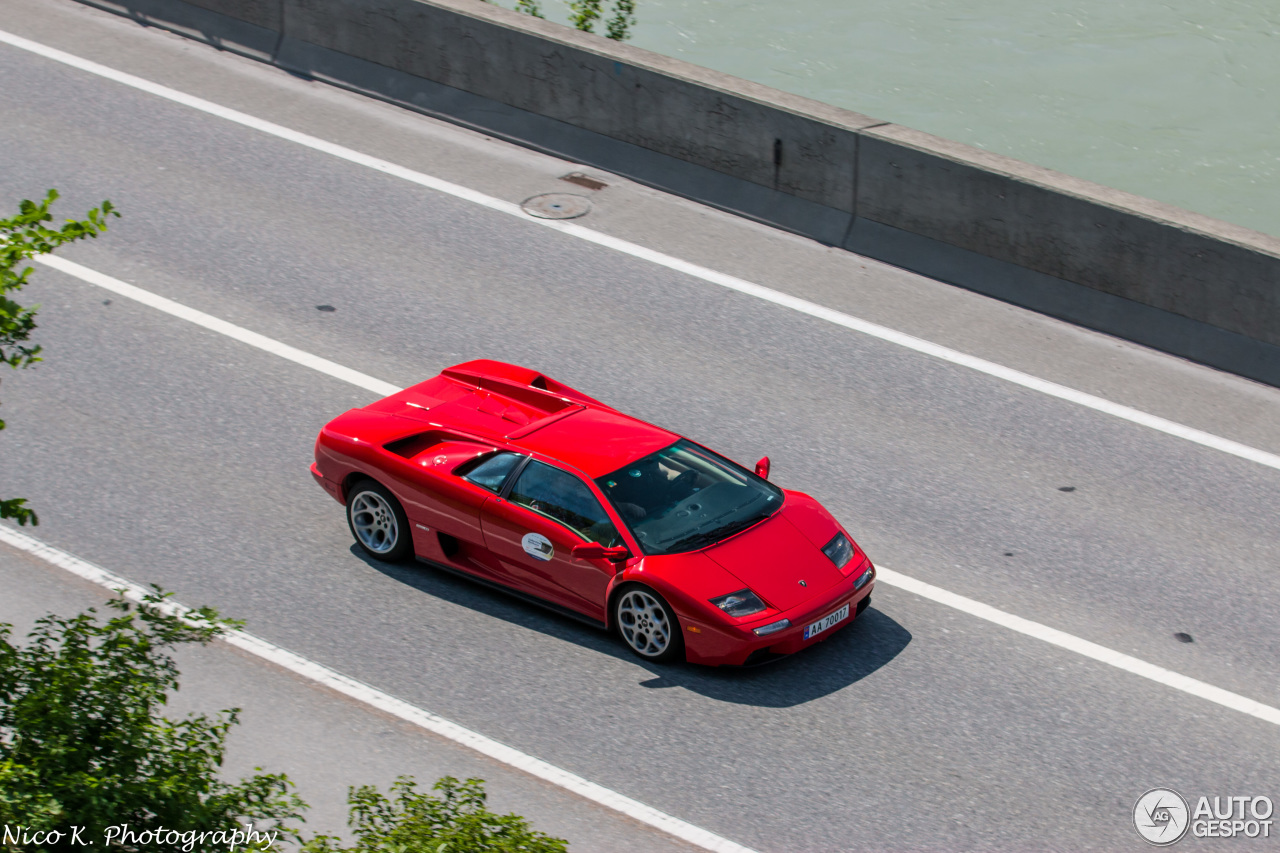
{"x": 263, "y": 13}
{"x": 801, "y": 147}
{"x": 1130, "y": 266}
{"x": 1107, "y": 240}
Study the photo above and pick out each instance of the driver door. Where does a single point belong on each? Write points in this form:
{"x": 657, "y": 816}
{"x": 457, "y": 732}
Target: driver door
{"x": 532, "y": 531}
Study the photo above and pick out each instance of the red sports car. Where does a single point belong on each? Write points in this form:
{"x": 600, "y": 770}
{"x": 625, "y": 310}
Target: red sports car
{"x": 506, "y": 476}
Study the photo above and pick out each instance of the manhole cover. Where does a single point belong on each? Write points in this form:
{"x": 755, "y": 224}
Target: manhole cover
{"x": 556, "y": 206}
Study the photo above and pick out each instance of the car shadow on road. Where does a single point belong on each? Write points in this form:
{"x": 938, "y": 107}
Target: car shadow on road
{"x": 495, "y": 603}
{"x": 850, "y": 655}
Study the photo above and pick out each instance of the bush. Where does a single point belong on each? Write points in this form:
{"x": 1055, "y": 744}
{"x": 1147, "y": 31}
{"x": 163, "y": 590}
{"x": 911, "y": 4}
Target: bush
{"x": 456, "y": 821}
{"x": 83, "y": 744}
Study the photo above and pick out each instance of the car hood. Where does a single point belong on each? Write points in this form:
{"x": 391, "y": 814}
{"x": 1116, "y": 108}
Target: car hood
{"x": 773, "y": 558}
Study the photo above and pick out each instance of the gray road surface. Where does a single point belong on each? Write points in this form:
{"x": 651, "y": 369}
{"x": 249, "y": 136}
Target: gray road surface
{"x": 168, "y": 454}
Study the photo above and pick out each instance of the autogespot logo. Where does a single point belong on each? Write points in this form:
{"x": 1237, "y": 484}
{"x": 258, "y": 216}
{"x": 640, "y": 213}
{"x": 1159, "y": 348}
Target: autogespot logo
{"x": 1161, "y": 816}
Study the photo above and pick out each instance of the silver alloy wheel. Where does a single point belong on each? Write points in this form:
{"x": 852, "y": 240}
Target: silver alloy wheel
{"x": 374, "y": 522}
{"x": 643, "y": 622}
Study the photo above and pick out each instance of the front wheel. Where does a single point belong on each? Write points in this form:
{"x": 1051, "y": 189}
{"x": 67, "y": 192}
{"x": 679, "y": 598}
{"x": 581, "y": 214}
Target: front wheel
{"x": 647, "y": 624}
{"x": 378, "y": 523}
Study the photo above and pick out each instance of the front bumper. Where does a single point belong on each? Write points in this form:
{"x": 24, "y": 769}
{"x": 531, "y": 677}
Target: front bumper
{"x": 735, "y": 645}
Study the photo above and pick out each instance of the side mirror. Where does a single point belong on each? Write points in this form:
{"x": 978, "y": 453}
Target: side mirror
{"x": 762, "y": 468}
{"x": 596, "y": 551}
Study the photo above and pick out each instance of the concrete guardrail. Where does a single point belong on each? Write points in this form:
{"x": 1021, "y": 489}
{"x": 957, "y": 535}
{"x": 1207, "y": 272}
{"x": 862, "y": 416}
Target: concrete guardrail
{"x": 1149, "y": 272}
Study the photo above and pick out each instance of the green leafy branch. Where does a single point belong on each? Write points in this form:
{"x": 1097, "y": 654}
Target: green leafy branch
{"x": 21, "y": 237}
{"x": 82, "y": 742}
{"x": 583, "y": 15}
{"x": 455, "y": 821}
{"x": 624, "y": 18}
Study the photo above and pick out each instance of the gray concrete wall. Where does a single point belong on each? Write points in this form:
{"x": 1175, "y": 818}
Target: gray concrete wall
{"x": 1107, "y": 240}
{"x": 262, "y": 13}
{"x": 1126, "y": 265}
{"x": 618, "y": 91}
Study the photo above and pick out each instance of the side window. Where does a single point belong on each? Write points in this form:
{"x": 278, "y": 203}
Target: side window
{"x": 563, "y": 497}
{"x": 490, "y": 472}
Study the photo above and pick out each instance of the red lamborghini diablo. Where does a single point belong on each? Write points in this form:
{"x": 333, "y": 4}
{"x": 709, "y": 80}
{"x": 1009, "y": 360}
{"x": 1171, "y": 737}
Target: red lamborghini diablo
{"x": 506, "y": 476}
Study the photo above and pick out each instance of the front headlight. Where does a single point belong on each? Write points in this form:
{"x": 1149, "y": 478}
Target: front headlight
{"x": 839, "y": 549}
{"x": 744, "y": 602}
{"x": 864, "y": 577}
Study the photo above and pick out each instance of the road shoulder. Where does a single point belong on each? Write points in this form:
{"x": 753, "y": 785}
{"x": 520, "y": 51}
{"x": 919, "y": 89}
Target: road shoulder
{"x": 324, "y": 741}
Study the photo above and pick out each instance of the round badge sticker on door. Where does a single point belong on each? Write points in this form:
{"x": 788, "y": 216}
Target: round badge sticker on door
{"x": 538, "y": 546}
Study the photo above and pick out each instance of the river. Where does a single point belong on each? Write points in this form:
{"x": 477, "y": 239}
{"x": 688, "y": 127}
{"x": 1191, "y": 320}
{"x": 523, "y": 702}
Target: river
{"x": 1177, "y": 100}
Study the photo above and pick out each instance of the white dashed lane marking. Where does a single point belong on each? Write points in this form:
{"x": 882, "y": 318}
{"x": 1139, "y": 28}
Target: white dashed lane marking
{"x": 1053, "y": 636}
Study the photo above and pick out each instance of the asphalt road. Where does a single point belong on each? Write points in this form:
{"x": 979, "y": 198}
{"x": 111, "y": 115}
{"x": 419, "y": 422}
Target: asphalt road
{"x": 169, "y": 454}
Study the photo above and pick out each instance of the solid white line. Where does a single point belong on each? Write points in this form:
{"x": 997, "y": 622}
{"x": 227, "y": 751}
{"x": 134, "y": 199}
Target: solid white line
{"x": 933, "y": 593}
{"x": 222, "y": 327}
{"x": 398, "y": 707}
{"x": 804, "y": 306}
{"x": 1082, "y": 647}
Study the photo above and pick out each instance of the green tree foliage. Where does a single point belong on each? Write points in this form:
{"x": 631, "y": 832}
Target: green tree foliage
{"x": 82, "y": 741}
{"x": 455, "y": 821}
{"x": 583, "y": 15}
{"x": 530, "y": 7}
{"x": 624, "y": 18}
{"x": 21, "y": 237}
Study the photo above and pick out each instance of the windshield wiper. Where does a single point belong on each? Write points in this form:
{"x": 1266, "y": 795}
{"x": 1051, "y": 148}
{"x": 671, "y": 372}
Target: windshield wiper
{"x": 707, "y": 538}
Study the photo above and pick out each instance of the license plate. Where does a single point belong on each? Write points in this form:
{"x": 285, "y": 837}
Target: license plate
{"x": 823, "y": 624}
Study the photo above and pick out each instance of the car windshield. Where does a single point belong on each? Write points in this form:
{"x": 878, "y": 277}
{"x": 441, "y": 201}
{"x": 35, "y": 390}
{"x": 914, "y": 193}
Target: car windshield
{"x": 685, "y": 497}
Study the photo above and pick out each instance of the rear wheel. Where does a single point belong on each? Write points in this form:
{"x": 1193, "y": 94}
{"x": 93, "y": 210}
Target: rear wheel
{"x": 647, "y": 624}
{"x": 378, "y": 522}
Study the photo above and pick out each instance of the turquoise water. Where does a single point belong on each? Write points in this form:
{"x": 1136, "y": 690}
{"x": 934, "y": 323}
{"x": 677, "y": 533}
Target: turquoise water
{"x": 1178, "y": 100}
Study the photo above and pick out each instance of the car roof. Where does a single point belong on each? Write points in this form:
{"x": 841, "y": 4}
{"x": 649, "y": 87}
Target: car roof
{"x": 597, "y": 441}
